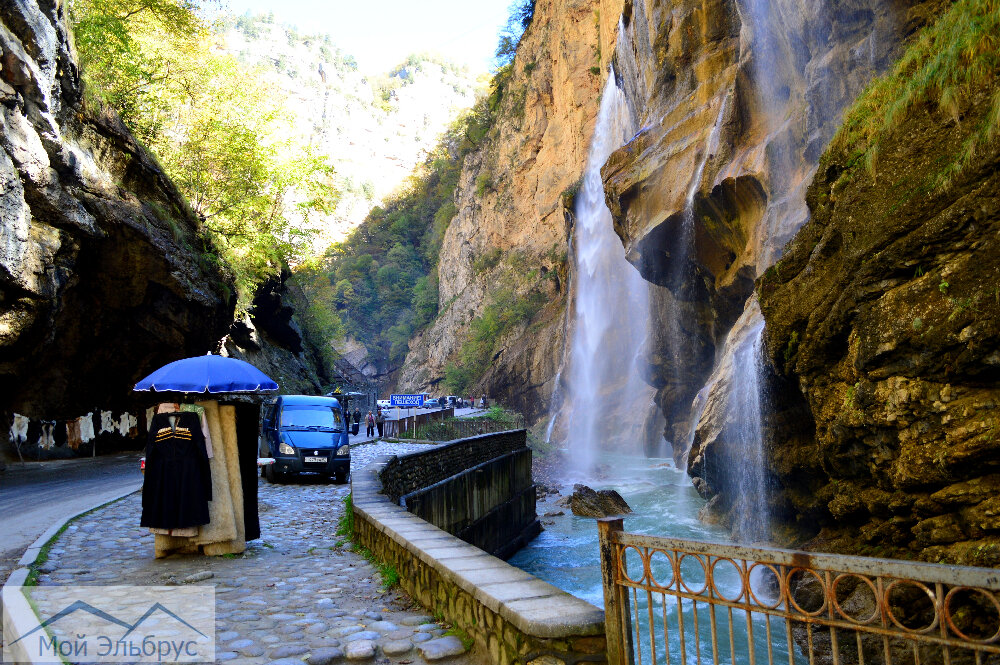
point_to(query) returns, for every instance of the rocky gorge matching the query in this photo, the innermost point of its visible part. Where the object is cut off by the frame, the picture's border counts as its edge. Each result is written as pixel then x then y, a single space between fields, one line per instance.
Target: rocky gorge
pixel 736 104
pixel 514 202
pixel 833 318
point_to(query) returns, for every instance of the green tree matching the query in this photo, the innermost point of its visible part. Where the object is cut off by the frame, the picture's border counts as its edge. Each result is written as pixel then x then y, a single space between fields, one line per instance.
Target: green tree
pixel 215 126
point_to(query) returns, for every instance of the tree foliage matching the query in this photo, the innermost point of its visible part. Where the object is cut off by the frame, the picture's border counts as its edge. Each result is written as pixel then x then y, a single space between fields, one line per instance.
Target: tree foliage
pixel 218 131
pixel 519 18
pixel 382 280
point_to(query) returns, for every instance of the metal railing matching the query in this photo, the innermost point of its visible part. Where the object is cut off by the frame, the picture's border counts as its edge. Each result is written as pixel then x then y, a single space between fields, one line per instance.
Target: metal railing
pixel 678 601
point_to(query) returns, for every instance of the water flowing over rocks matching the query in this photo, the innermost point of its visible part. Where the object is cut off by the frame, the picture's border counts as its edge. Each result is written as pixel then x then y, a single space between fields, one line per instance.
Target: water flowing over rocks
pixel 736 101
pixel 883 324
pixel 98 281
pixel 515 197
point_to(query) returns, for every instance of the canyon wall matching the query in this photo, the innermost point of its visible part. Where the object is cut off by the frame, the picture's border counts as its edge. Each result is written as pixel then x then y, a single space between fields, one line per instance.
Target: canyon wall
pixel 99 279
pixel 514 205
pixel 102 274
pixel 883 329
pixel 736 100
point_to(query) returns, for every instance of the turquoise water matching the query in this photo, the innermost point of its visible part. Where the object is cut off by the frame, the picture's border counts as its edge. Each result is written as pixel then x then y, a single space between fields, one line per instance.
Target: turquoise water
pixel 664 504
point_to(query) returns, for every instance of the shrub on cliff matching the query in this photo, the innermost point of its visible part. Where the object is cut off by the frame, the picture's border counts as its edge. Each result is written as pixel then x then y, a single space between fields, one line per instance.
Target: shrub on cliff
pixel 947 62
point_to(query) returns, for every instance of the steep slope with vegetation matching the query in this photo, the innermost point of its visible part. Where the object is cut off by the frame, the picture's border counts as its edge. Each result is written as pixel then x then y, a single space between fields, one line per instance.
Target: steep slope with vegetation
pixel 472 249
pixel 883 317
pixel 502 270
pixel 380 284
pixel 374 128
pixel 215 125
pixel 103 271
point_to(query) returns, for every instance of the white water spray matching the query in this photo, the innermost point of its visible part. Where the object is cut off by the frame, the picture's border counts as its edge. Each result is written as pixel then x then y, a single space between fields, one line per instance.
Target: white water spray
pixel 747 465
pixel 611 311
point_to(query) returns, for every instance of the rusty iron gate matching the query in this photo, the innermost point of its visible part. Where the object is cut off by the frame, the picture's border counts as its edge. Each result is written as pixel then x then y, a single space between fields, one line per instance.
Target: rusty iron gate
pixel 677 602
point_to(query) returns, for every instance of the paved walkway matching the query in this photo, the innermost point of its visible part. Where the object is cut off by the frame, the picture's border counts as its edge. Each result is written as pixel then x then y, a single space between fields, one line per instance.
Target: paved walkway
pixel 297 595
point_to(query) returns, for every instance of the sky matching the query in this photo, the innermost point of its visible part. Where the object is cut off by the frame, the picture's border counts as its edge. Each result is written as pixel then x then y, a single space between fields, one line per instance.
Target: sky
pixel 381 33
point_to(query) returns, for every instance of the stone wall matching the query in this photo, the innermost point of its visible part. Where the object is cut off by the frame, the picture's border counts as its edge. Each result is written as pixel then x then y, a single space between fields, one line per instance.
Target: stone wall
pixel 491 505
pixel 407 473
pixel 479 489
pixel 511 616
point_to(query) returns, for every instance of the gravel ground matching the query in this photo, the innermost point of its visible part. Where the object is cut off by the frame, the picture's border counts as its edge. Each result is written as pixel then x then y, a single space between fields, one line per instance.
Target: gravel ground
pixel 298 595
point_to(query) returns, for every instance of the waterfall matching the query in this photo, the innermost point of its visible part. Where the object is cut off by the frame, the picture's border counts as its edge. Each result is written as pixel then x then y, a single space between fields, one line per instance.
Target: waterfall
pixel 610 318
pixel 747 464
pixel 681 276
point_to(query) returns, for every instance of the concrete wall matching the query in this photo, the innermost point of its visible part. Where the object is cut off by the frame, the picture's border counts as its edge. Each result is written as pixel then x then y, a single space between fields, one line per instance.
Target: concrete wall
pixel 479 489
pixel 407 473
pixel 512 617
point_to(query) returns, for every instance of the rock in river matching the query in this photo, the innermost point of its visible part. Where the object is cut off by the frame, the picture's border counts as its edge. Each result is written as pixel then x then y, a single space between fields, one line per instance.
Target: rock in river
pixel 587 502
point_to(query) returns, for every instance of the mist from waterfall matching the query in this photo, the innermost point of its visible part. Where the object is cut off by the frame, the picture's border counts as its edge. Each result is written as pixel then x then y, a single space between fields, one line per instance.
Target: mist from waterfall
pixel 605 399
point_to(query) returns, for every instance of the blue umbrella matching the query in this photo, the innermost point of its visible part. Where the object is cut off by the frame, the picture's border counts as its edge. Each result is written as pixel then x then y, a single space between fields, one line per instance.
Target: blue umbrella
pixel 207 374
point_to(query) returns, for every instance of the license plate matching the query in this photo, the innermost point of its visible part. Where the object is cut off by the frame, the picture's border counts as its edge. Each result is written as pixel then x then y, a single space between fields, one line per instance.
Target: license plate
pixel 316 459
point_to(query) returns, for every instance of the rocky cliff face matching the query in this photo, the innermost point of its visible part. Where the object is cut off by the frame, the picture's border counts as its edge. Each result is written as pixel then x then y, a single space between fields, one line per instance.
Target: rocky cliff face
pixel 99 283
pixel 883 321
pixel 270 339
pixel 514 205
pixel 736 100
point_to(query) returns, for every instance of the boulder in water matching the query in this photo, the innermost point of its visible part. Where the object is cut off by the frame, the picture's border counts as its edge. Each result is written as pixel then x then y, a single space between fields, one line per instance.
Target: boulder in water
pixel 587 502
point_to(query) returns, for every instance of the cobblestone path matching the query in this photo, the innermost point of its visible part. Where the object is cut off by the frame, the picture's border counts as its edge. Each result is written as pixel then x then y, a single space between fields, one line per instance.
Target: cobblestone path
pixel 298 595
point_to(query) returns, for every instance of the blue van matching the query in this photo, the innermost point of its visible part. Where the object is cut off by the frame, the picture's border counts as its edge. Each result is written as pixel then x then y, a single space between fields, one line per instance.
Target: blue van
pixel 305 434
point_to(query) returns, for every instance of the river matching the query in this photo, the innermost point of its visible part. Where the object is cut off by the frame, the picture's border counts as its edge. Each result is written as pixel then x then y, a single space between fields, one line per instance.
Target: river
pixel 665 503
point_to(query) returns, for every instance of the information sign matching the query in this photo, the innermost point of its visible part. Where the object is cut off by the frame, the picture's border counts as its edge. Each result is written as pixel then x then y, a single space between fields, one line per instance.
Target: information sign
pixel 406 401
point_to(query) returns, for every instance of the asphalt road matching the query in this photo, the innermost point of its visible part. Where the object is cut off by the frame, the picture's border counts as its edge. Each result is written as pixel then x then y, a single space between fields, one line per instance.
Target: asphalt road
pixel 34 495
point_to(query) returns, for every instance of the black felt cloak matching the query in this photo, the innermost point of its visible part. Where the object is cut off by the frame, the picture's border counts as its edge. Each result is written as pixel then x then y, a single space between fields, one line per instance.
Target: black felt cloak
pixel 178 482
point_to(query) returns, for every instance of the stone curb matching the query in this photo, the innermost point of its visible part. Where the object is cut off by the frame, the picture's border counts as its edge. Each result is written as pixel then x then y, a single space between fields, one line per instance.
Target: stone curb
pixel 534 607
pixel 18 616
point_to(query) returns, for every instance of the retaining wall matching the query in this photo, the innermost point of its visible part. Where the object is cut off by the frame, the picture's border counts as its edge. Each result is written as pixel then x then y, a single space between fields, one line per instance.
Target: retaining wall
pixel 479 489
pixel 512 617
pixel 404 474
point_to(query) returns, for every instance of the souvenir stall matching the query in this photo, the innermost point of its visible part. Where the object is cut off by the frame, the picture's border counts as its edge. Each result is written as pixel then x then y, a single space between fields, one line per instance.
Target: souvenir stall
pixel 199 492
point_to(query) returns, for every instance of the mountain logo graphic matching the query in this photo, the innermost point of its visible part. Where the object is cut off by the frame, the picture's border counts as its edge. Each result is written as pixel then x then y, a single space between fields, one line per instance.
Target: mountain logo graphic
pixel 81 606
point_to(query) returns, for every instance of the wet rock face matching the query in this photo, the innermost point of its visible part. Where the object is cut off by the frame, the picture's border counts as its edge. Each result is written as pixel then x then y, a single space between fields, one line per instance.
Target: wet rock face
pixel 736 100
pixel 98 281
pixel 884 316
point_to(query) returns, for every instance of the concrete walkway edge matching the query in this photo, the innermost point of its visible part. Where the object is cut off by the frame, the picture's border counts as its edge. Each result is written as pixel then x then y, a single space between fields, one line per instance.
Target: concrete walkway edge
pixel 18 616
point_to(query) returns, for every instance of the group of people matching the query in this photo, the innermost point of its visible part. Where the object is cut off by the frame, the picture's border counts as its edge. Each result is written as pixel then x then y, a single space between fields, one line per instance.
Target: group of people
pixel 373 421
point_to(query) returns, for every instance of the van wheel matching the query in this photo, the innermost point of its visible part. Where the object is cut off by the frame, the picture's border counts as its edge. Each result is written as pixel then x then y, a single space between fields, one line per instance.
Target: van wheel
pixel 273 476
pixel 340 477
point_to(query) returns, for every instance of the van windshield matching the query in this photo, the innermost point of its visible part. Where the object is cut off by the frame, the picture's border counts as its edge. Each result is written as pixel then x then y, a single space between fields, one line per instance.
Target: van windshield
pixel 307 417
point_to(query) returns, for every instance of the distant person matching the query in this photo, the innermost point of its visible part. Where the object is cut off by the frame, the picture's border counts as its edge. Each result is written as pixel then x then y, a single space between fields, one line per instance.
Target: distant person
pixel 380 422
pixel 370 430
pixel 482 401
pixel 357 415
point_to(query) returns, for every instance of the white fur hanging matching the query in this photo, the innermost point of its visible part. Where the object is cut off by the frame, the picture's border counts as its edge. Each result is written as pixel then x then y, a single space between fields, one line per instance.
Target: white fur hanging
pixel 127 422
pixel 108 423
pixel 46 441
pixel 87 428
pixel 19 429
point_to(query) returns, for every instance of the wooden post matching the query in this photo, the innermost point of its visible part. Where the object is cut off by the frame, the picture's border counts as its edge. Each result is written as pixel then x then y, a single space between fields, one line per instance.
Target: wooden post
pixel 617 623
